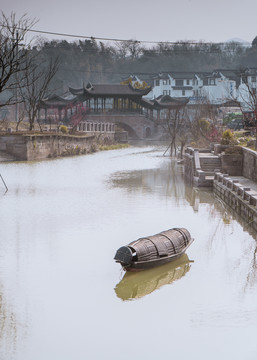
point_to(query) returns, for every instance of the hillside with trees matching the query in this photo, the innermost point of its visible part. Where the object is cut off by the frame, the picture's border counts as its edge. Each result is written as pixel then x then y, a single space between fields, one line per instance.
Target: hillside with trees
pixel 92 61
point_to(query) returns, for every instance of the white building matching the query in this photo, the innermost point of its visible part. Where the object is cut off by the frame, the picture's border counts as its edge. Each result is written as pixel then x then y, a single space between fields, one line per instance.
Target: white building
pixel 215 87
pixel 173 84
pixel 218 88
pixel 247 90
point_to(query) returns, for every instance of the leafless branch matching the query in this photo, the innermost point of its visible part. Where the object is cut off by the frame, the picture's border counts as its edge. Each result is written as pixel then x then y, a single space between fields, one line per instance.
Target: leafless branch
pixel 13 53
pixel 34 87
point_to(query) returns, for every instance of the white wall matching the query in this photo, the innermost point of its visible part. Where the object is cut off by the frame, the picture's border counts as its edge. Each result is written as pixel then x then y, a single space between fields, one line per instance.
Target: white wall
pixel 223 90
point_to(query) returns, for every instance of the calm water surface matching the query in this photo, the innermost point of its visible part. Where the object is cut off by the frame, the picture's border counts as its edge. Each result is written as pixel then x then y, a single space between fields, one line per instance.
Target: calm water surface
pixel 62 296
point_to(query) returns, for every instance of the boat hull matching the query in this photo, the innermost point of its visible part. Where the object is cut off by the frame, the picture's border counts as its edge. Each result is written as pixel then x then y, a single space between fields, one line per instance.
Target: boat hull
pixel 144 265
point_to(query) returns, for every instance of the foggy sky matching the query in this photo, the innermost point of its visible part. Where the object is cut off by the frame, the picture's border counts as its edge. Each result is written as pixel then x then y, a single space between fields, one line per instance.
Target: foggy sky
pixel 163 20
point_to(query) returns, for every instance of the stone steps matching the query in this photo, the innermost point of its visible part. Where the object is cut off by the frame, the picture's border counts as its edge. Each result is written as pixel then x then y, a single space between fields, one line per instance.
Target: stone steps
pixel 210 164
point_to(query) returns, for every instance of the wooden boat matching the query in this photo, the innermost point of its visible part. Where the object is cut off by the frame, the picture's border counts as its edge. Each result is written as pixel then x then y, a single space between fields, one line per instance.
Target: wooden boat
pixel 154 250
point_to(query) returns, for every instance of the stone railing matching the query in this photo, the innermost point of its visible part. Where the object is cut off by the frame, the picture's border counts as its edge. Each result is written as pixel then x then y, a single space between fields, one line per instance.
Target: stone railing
pixel 193 169
pixel 96 127
pixel 245 193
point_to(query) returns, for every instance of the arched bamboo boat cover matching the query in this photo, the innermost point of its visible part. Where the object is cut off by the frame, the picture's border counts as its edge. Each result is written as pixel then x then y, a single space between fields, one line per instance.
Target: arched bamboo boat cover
pixel 167 244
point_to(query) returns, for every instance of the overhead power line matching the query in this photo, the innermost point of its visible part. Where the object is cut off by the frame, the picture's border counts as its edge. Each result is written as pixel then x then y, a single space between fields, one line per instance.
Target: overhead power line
pixel 120 40
pixel 174 72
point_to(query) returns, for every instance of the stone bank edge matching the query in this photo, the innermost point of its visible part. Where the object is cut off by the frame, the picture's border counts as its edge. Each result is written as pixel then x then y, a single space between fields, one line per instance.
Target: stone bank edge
pixel 43 146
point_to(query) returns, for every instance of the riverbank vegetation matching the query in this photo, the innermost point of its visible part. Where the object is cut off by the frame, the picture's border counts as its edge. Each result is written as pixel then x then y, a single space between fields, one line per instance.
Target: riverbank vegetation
pixel 113 147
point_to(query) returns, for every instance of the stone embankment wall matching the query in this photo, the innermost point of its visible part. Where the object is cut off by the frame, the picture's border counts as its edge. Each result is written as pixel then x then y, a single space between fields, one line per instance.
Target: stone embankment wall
pixel 249 168
pixel 38 147
pixel 234 164
pixel 240 198
pixel 244 164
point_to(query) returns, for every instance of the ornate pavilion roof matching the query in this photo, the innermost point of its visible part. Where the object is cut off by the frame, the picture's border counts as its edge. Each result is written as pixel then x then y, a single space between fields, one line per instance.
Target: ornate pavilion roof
pixel 109 90
pixel 56 101
pixel 164 102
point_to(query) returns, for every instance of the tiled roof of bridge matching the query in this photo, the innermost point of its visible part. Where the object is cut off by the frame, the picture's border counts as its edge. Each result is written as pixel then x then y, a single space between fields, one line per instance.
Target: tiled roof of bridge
pixel 109 90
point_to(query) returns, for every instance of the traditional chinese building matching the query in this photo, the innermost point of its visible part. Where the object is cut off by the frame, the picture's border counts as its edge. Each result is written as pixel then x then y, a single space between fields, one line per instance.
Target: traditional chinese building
pixel 122 104
pixel 110 97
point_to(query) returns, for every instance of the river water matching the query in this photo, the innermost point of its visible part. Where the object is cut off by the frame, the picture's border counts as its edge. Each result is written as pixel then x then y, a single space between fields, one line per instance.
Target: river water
pixel 62 296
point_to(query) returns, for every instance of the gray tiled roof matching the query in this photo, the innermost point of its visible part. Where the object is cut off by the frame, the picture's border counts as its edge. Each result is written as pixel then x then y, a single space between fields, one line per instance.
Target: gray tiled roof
pixel 109 90
pixel 183 75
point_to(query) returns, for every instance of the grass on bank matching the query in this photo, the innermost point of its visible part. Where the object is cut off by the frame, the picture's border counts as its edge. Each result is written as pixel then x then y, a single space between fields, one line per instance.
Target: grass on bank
pixel 113 147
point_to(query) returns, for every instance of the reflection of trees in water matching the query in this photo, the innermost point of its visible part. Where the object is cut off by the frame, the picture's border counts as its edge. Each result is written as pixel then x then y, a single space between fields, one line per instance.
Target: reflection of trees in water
pixel 224 215
pixel 166 181
pixel 252 272
pixel 197 196
pixel 229 215
pixel 8 329
pixel 138 284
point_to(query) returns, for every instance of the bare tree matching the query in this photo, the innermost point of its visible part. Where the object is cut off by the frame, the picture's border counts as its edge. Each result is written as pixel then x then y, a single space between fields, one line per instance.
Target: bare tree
pixel 176 127
pixel 129 48
pixel 20 118
pixel 122 49
pixel 34 87
pixel 13 54
pixel 247 99
pixel 134 48
pixel 203 122
pixel 247 96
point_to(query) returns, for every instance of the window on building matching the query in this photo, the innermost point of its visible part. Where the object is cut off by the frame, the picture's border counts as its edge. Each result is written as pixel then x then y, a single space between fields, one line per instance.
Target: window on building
pixel 169 82
pixel 188 82
pixel 183 93
pixel 253 78
pixel 157 82
pixel 164 82
pixel 179 82
pixel 165 92
pixel 169 92
pixel 211 81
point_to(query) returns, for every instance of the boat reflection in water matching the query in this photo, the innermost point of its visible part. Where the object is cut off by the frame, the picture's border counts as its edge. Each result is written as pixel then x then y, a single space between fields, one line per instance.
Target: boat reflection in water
pixel 135 285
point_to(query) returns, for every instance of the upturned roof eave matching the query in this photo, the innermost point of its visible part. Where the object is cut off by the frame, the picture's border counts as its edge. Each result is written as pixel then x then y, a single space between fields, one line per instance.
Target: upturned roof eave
pixel 94 91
